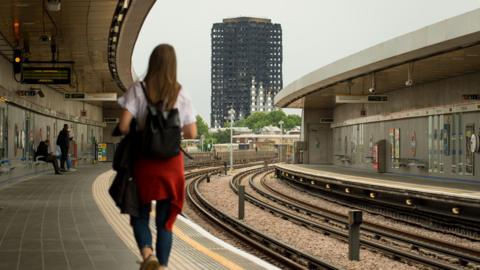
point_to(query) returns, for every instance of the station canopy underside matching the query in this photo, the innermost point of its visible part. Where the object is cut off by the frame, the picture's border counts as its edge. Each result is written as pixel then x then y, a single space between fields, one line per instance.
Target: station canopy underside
pixel 81 31
pixel 449 58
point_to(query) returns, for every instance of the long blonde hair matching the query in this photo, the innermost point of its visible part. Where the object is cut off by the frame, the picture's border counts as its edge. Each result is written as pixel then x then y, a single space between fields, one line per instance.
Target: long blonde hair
pixel 161 79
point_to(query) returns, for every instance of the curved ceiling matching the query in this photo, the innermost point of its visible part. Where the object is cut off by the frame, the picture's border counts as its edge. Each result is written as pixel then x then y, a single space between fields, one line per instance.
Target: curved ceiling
pixel 445 49
pixel 81 30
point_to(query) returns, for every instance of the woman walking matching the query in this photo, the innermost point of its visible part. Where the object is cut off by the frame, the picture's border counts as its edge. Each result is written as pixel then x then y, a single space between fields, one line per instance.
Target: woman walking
pixel 159 180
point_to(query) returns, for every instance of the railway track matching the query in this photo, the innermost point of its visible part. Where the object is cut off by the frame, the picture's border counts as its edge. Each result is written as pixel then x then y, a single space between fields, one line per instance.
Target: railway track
pixel 446 255
pixel 420 210
pixel 285 254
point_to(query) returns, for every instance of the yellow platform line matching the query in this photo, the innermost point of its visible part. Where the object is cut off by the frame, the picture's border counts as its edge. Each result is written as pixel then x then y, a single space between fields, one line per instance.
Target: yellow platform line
pixel 196 245
pixel 121 227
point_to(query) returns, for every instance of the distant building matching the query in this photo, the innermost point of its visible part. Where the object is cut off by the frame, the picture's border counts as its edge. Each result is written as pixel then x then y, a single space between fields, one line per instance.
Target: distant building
pixel 244 48
pixel 236 130
pixel 261 100
pixel 270 130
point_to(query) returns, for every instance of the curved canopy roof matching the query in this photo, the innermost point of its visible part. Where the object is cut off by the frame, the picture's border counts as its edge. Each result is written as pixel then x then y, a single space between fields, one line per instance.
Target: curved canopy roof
pixel 445 49
pixel 98 36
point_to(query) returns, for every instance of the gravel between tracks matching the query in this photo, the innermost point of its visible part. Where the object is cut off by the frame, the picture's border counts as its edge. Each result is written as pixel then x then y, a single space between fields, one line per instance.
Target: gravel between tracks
pixel 218 192
pixel 377 219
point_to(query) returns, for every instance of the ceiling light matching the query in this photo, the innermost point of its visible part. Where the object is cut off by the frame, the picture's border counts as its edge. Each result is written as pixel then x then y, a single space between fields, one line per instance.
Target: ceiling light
pixel 120 17
pixel 54 5
pixel 409 81
pixel 371 90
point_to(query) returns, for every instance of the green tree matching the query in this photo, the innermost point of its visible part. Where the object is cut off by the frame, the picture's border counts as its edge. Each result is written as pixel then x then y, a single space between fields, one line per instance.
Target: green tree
pixel 258 120
pixel 221 136
pixel 275 117
pixel 292 121
pixel 202 127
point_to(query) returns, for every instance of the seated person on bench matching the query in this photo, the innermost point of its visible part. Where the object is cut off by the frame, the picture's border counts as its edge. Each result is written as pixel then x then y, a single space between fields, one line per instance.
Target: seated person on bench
pixel 43 154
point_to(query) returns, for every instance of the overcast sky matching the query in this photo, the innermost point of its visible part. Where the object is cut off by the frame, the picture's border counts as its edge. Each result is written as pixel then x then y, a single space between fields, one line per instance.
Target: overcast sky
pixel 315 32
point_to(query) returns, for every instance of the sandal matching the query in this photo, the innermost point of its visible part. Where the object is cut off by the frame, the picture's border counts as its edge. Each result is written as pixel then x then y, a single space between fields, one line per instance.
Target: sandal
pixel 150 263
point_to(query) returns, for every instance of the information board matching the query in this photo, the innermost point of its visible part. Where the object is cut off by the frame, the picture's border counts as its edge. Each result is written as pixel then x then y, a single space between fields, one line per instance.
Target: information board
pixel 46 75
pixel 91 96
pixel 361 98
pixel 102 152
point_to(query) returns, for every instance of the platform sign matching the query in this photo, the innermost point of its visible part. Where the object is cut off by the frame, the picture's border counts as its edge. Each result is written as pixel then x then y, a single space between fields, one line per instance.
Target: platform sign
pixel 471 97
pixel 111 120
pixel 81 96
pixel 27 93
pixel 361 98
pixel 74 95
pixel 102 152
pixel 46 75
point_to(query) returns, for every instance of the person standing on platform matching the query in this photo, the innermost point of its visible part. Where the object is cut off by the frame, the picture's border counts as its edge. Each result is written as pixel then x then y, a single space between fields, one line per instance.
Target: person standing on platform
pixel 69 156
pixel 160 180
pixel 63 140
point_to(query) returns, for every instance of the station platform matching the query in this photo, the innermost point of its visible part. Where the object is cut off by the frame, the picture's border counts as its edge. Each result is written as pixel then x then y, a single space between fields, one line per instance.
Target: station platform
pixel 407 183
pixel 69 222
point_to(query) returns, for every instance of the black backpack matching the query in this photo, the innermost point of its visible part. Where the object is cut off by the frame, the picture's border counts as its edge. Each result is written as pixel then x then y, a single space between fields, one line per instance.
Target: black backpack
pixel 161 136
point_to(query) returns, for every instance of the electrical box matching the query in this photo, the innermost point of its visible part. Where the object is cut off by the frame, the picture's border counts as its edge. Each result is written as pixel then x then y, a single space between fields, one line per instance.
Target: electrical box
pixel 299 147
pixel 379 156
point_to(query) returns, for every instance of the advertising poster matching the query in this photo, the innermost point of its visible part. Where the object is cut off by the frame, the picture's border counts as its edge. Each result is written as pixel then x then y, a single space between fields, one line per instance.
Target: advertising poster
pixel 102 152
pixel 397 148
pixel 440 148
pixel 430 144
pixel 460 144
pixel 413 144
pixel 469 162
pixel 453 144
pixel 391 136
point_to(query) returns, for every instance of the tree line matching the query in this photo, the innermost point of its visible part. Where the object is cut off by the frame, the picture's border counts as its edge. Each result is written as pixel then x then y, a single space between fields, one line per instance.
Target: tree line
pixel 255 121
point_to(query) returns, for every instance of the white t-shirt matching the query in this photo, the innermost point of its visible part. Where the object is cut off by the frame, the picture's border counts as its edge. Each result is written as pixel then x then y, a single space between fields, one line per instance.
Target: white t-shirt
pixel 135 102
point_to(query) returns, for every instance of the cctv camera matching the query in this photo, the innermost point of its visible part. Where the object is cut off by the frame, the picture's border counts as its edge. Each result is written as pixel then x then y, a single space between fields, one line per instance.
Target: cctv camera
pixel 409 83
pixel 371 90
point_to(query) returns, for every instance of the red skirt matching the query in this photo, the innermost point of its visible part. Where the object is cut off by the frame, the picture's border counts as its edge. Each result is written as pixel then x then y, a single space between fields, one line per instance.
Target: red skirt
pixel 161 180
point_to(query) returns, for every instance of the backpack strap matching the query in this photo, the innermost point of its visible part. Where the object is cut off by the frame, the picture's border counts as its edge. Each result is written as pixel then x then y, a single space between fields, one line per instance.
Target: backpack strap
pixel 145 92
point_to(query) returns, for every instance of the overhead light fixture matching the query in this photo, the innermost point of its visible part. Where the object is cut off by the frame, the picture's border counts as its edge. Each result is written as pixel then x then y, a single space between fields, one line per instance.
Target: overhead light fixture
pixel 371 90
pixel 120 17
pixel 409 81
pixel 54 5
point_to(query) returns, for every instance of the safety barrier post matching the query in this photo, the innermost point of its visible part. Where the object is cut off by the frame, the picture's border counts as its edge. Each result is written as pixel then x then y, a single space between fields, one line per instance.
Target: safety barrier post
pixel 241 202
pixel 208 178
pixel 354 222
